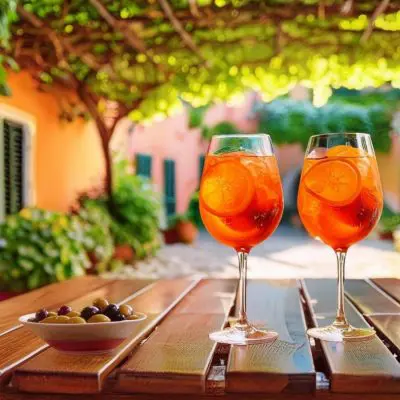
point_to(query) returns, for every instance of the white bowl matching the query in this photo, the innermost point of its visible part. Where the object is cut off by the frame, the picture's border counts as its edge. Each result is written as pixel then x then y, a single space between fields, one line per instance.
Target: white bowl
pixel 96 337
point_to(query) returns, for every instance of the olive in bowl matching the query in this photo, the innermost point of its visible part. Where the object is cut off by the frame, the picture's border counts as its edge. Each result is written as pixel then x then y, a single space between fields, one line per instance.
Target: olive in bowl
pixel 90 331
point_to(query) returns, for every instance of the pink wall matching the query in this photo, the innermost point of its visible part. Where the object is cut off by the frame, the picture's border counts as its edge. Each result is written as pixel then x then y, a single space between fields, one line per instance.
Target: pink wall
pixel 172 139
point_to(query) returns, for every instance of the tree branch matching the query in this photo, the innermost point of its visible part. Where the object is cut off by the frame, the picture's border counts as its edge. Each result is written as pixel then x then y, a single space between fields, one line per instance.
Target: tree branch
pixel 384 4
pixel 194 10
pixel 131 38
pixel 60 43
pixel 38 23
pixel 186 38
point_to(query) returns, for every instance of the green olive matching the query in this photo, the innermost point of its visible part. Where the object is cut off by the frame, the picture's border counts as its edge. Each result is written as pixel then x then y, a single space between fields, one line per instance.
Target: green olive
pixel 52 314
pixel 126 310
pixel 99 318
pixel 73 314
pixel 49 320
pixel 101 303
pixel 62 319
pixel 76 320
pixel 133 317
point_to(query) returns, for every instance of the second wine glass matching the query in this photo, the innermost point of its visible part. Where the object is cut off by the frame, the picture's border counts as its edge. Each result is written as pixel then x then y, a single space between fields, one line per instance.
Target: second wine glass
pixel 241 204
pixel 340 202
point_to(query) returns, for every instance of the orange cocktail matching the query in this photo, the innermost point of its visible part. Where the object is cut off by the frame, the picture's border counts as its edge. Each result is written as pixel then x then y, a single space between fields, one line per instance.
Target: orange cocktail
pixel 241 199
pixel 241 204
pixel 340 198
pixel 340 202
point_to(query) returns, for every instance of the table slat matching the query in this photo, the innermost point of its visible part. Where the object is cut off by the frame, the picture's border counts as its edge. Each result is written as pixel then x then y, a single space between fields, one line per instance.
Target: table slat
pixel 388 326
pixel 29 344
pixel 286 364
pixel 355 367
pixel 15 348
pixel 370 299
pixel 52 296
pixel 65 373
pixel 177 356
pixel 390 286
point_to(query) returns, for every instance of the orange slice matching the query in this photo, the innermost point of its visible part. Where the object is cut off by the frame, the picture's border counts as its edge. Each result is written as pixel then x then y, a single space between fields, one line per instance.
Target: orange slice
pixel 337 182
pixel 227 189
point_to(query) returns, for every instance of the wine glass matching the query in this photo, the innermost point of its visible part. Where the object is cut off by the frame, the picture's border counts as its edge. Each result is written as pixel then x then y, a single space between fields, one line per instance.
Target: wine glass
pixel 340 202
pixel 241 204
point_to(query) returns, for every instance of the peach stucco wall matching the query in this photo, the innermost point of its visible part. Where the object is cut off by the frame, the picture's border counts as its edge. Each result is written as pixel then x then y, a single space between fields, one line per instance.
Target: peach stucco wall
pixel 172 139
pixel 66 157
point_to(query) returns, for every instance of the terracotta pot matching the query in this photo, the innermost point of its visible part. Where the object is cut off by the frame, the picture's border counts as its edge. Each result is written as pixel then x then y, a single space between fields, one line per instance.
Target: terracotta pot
pixel 386 236
pixel 171 236
pixel 124 252
pixel 187 231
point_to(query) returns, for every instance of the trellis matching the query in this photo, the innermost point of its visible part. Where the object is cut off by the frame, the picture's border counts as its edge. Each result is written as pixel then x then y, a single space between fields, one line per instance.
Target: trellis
pixel 145 55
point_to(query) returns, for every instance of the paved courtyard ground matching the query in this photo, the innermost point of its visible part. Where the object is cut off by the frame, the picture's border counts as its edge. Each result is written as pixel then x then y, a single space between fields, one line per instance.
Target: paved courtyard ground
pixel 289 253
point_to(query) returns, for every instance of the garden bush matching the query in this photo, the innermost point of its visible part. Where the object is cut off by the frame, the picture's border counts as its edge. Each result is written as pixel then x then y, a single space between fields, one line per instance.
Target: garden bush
pixel 38 247
pixel 135 215
pixel 291 121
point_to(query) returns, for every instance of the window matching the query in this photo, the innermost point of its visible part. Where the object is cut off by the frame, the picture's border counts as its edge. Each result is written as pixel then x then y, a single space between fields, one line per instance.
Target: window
pixel 143 165
pixel 169 187
pixel 13 167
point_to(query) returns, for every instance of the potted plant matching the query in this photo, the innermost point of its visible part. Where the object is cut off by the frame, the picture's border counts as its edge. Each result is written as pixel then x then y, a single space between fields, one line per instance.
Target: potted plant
pixel 387 226
pixel 134 218
pixel 182 226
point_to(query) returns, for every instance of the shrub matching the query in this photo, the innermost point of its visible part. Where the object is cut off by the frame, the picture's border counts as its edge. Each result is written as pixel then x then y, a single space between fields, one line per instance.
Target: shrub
pixel 388 224
pixel 222 128
pixel 290 121
pixel 97 239
pixel 193 211
pixel 39 247
pixel 135 215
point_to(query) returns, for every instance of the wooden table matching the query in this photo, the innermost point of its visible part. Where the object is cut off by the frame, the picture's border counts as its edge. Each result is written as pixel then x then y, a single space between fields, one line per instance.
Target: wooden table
pixel 170 356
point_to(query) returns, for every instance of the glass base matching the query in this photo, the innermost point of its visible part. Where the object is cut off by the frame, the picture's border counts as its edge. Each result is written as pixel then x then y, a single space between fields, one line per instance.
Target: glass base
pixel 333 334
pixel 243 337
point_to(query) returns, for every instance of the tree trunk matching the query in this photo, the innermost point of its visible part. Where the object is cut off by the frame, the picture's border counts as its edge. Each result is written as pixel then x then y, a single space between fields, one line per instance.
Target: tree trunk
pixel 108 179
pixel 105 133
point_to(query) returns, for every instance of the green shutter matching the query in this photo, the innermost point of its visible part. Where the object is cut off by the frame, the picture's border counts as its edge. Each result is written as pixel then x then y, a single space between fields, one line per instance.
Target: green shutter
pixel 169 187
pixel 201 166
pixel 13 167
pixel 143 165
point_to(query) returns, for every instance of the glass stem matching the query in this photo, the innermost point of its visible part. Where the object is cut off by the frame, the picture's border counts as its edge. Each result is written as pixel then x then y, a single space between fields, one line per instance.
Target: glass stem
pixel 242 322
pixel 340 320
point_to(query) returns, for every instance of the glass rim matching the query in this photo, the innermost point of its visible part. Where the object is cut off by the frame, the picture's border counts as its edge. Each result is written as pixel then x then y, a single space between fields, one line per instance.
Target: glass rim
pixel 354 134
pixel 241 135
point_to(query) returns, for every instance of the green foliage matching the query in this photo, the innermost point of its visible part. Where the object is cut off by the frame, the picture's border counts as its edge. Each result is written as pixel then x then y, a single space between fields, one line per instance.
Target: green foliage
pixel 173 220
pixel 39 247
pixel 193 211
pixel 389 223
pixel 236 49
pixel 136 211
pixel 221 128
pixel 97 238
pixel 196 116
pixel 7 15
pixel 290 121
